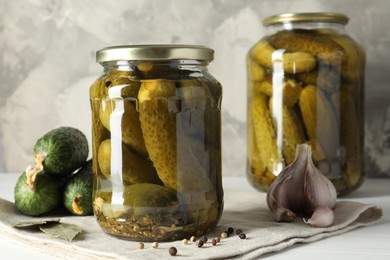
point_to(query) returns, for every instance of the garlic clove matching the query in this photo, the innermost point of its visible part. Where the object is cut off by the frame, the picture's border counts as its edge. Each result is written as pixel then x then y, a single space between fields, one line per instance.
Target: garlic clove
pixel 277 201
pixel 319 190
pixel 322 217
pixel 285 195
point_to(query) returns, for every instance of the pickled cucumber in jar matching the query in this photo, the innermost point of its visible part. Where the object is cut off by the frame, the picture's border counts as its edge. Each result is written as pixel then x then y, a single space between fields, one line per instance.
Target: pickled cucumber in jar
pixel 306 85
pixel 156 142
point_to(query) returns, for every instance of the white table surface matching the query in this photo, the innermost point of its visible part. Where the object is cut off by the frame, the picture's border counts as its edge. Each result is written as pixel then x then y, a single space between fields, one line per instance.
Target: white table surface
pixel 372 242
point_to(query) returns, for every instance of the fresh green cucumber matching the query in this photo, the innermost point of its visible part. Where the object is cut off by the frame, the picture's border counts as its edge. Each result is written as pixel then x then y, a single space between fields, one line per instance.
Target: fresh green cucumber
pixel 61 151
pixel 39 196
pixel 78 191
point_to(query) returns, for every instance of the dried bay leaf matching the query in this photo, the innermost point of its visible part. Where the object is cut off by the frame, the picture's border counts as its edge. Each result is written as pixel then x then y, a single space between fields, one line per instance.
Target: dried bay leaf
pixel 35 223
pixel 52 228
pixel 61 230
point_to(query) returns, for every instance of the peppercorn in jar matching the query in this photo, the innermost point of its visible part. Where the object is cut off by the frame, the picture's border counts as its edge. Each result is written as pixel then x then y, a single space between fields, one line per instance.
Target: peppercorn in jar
pixel 306 85
pixel 156 122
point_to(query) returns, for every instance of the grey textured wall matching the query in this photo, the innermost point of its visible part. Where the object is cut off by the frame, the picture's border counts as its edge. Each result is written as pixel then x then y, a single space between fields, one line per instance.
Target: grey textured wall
pixel 47 49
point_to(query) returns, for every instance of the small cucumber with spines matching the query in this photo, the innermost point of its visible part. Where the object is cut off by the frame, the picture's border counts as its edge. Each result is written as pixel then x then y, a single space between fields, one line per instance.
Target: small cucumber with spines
pixel 78 191
pixel 61 151
pixel 38 197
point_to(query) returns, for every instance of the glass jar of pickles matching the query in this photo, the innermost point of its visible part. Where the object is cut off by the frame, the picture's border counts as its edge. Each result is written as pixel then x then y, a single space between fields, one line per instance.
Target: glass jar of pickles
pixel 156 123
pixel 306 85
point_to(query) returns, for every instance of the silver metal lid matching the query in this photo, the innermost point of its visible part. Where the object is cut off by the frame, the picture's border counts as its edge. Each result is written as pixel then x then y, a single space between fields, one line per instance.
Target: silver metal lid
pixel 157 52
pixel 306 17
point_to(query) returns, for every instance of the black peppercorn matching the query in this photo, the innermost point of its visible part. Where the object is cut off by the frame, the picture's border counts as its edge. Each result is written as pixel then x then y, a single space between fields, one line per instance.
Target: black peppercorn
pixel 172 251
pixel 200 243
pixel 214 242
pixel 204 239
pixel 242 236
pixel 230 230
pixel 238 231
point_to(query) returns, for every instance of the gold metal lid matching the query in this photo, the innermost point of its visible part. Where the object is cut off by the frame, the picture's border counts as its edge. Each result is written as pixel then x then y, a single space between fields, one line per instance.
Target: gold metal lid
pixel 306 17
pixel 157 52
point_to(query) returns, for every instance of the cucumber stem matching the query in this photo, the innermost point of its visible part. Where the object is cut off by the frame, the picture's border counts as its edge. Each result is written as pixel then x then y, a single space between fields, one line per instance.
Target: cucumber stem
pixel 31 173
pixel 75 205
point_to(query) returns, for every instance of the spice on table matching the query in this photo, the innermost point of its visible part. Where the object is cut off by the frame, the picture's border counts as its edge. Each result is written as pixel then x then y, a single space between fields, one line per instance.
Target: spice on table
pixel 230 230
pixel 172 251
pixel 155 245
pixel 141 245
pixel 200 243
pixel 214 242
pixel 238 231
pixel 185 241
pixel 224 235
pixel 204 239
pixel 193 239
pixel 218 239
pixel 242 235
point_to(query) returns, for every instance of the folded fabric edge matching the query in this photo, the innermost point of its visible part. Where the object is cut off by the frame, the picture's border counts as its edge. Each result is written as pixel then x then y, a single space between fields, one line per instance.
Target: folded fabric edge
pixel 370 216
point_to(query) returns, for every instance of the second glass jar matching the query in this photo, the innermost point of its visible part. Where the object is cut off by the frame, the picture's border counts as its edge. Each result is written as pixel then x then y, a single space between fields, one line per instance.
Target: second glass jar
pixel 306 85
pixel 156 125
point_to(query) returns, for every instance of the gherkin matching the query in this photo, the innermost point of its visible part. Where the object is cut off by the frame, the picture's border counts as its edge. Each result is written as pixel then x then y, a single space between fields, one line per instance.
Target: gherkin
pixel 38 197
pixel 61 151
pixel 78 191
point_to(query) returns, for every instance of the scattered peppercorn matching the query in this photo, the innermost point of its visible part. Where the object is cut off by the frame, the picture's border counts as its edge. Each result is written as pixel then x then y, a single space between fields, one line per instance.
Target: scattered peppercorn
pixel 242 236
pixel 172 251
pixel 214 242
pixel 204 239
pixel 141 245
pixel 193 239
pixel 230 230
pixel 155 245
pixel 185 241
pixel 238 231
pixel 224 235
pixel 200 243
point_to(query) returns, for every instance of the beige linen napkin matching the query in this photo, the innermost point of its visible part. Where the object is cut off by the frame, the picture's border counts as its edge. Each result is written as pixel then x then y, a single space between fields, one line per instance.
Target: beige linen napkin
pixel 244 210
